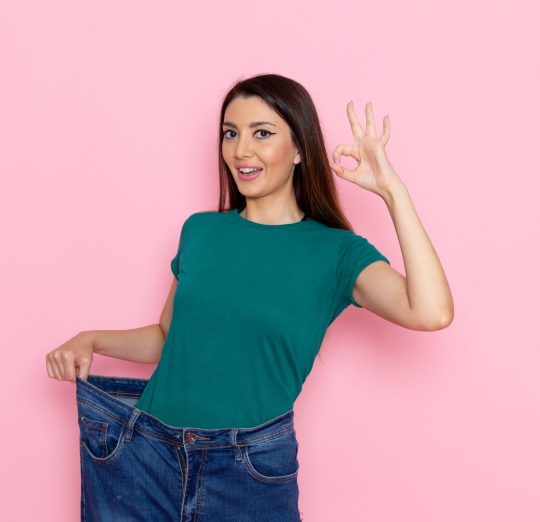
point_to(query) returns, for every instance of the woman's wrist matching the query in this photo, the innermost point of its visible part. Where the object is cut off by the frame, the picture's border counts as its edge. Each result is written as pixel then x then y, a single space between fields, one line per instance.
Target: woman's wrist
pixel 88 337
pixel 394 192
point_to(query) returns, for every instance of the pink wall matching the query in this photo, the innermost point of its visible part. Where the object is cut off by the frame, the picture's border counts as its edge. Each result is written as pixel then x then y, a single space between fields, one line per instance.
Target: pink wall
pixel 108 121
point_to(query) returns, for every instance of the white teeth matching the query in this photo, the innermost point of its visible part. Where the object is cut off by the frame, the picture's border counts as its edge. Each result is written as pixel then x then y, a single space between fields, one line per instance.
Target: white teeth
pixel 249 171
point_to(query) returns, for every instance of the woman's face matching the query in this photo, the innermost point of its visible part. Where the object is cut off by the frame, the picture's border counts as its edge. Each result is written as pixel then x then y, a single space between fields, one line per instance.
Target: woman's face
pixel 249 143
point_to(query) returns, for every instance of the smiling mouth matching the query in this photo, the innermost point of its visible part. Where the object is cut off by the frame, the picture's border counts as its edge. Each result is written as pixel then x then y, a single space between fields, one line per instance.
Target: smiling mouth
pixel 253 170
pixel 249 175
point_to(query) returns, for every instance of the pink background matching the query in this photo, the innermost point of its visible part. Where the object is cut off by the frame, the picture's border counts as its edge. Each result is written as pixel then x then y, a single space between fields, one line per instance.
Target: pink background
pixel 108 141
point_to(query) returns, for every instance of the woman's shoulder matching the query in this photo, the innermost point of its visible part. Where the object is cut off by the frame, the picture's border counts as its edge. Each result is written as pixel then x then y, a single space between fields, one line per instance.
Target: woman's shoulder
pixel 205 215
pixel 203 218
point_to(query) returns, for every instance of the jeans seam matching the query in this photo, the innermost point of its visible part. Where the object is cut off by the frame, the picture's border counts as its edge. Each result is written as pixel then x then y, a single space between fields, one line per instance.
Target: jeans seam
pixel 200 487
pixel 253 440
pixel 83 514
pixel 268 436
pixel 265 478
pixel 102 410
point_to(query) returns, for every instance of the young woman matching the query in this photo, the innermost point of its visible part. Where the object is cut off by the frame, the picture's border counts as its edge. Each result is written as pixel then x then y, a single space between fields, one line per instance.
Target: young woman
pixel 210 436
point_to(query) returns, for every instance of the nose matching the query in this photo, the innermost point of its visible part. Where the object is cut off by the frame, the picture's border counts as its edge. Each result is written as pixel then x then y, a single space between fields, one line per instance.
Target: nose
pixel 243 147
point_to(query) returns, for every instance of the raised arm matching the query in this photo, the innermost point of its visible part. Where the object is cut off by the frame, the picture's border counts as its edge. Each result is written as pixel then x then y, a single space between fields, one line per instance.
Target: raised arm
pixel 421 300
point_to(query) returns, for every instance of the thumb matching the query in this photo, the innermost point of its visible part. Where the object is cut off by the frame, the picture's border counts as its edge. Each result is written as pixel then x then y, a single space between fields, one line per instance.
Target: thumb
pixel 342 172
pixel 84 370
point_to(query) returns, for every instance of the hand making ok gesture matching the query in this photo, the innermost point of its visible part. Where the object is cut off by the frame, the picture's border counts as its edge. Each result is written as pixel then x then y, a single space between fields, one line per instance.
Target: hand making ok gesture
pixel 374 171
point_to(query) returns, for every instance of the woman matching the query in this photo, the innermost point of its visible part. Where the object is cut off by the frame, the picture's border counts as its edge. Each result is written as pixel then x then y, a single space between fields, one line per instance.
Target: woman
pixel 210 436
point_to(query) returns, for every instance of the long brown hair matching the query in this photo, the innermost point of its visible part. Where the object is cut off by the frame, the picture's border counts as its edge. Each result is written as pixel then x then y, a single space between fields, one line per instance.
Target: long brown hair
pixel 313 179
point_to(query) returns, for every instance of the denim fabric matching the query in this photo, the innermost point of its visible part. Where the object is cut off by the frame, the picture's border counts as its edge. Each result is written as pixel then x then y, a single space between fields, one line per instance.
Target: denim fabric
pixel 136 468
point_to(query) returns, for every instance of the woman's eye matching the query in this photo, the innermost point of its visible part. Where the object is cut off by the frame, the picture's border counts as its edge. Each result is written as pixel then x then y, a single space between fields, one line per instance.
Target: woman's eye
pixel 268 133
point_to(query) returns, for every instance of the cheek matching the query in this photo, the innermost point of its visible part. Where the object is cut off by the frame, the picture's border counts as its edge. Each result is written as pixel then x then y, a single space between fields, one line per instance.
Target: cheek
pixel 276 154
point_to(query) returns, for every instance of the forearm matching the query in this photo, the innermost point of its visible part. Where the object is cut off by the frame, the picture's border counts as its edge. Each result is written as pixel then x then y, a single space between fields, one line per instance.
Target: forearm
pixel 427 288
pixel 143 345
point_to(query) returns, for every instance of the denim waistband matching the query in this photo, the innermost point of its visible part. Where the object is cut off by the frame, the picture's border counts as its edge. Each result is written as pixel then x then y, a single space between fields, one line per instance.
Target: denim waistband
pixel 106 394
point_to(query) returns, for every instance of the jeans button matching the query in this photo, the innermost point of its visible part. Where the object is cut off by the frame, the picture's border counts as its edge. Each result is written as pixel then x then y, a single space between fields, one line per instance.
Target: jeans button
pixel 191 437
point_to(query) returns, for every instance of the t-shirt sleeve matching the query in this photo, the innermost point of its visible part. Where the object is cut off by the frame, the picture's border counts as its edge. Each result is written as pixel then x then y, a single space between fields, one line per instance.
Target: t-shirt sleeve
pixel 176 262
pixel 355 254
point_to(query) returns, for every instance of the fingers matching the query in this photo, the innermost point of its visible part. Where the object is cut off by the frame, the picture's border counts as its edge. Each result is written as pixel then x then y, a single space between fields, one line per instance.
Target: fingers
pixel 386 130
pixel 342 172
pixel 52 370
pixel 58 364
pixel 345 150
pixel 72 358
pixel 370 120
pixel 357 129
pixel 69 366
pixel 84 368
pixel 61 365
pixel 356 126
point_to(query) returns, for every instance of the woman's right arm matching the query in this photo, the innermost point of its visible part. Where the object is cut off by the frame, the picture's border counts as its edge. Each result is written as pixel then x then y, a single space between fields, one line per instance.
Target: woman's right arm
pixel 142 345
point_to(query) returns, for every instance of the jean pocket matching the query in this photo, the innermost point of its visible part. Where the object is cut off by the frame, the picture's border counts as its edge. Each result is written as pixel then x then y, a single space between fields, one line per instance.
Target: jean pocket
pixel 101 436
pixel 273 460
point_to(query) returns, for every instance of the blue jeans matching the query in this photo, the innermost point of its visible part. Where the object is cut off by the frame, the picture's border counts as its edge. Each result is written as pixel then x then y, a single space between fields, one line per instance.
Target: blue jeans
pixel 136 468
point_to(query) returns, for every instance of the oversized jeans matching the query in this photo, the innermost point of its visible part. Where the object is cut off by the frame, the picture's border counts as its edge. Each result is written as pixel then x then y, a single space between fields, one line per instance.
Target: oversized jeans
pixel 136 468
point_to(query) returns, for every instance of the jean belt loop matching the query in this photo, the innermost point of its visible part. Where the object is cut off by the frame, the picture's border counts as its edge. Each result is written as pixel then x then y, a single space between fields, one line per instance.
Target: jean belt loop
pixel 234 443
pixel 135 414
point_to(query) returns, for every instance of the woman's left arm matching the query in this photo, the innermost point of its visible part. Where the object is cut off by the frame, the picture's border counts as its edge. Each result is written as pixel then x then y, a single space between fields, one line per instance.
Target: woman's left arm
pixel 422 300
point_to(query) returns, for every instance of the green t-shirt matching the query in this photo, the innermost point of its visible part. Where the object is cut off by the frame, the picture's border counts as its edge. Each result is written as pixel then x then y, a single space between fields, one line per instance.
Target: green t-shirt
pixel 250 312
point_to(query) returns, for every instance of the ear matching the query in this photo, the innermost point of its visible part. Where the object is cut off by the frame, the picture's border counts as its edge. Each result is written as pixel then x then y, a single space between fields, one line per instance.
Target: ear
pixel 297 159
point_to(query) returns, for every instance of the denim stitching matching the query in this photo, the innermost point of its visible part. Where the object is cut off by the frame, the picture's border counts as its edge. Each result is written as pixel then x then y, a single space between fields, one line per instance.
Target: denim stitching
pixel 102 410
pixel 183 473
pixel 185 487
pixel 200 488
pixel 265 478
pixel 104 440
pixel 248 441
pixel 83 507
pixel 120 445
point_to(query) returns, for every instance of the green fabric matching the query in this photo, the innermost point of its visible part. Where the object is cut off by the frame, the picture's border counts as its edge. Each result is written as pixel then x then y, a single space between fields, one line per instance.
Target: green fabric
pixel 250 312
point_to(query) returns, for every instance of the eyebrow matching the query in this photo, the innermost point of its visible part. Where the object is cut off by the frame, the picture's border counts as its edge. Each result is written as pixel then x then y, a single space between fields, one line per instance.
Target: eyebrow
pixel 251 125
